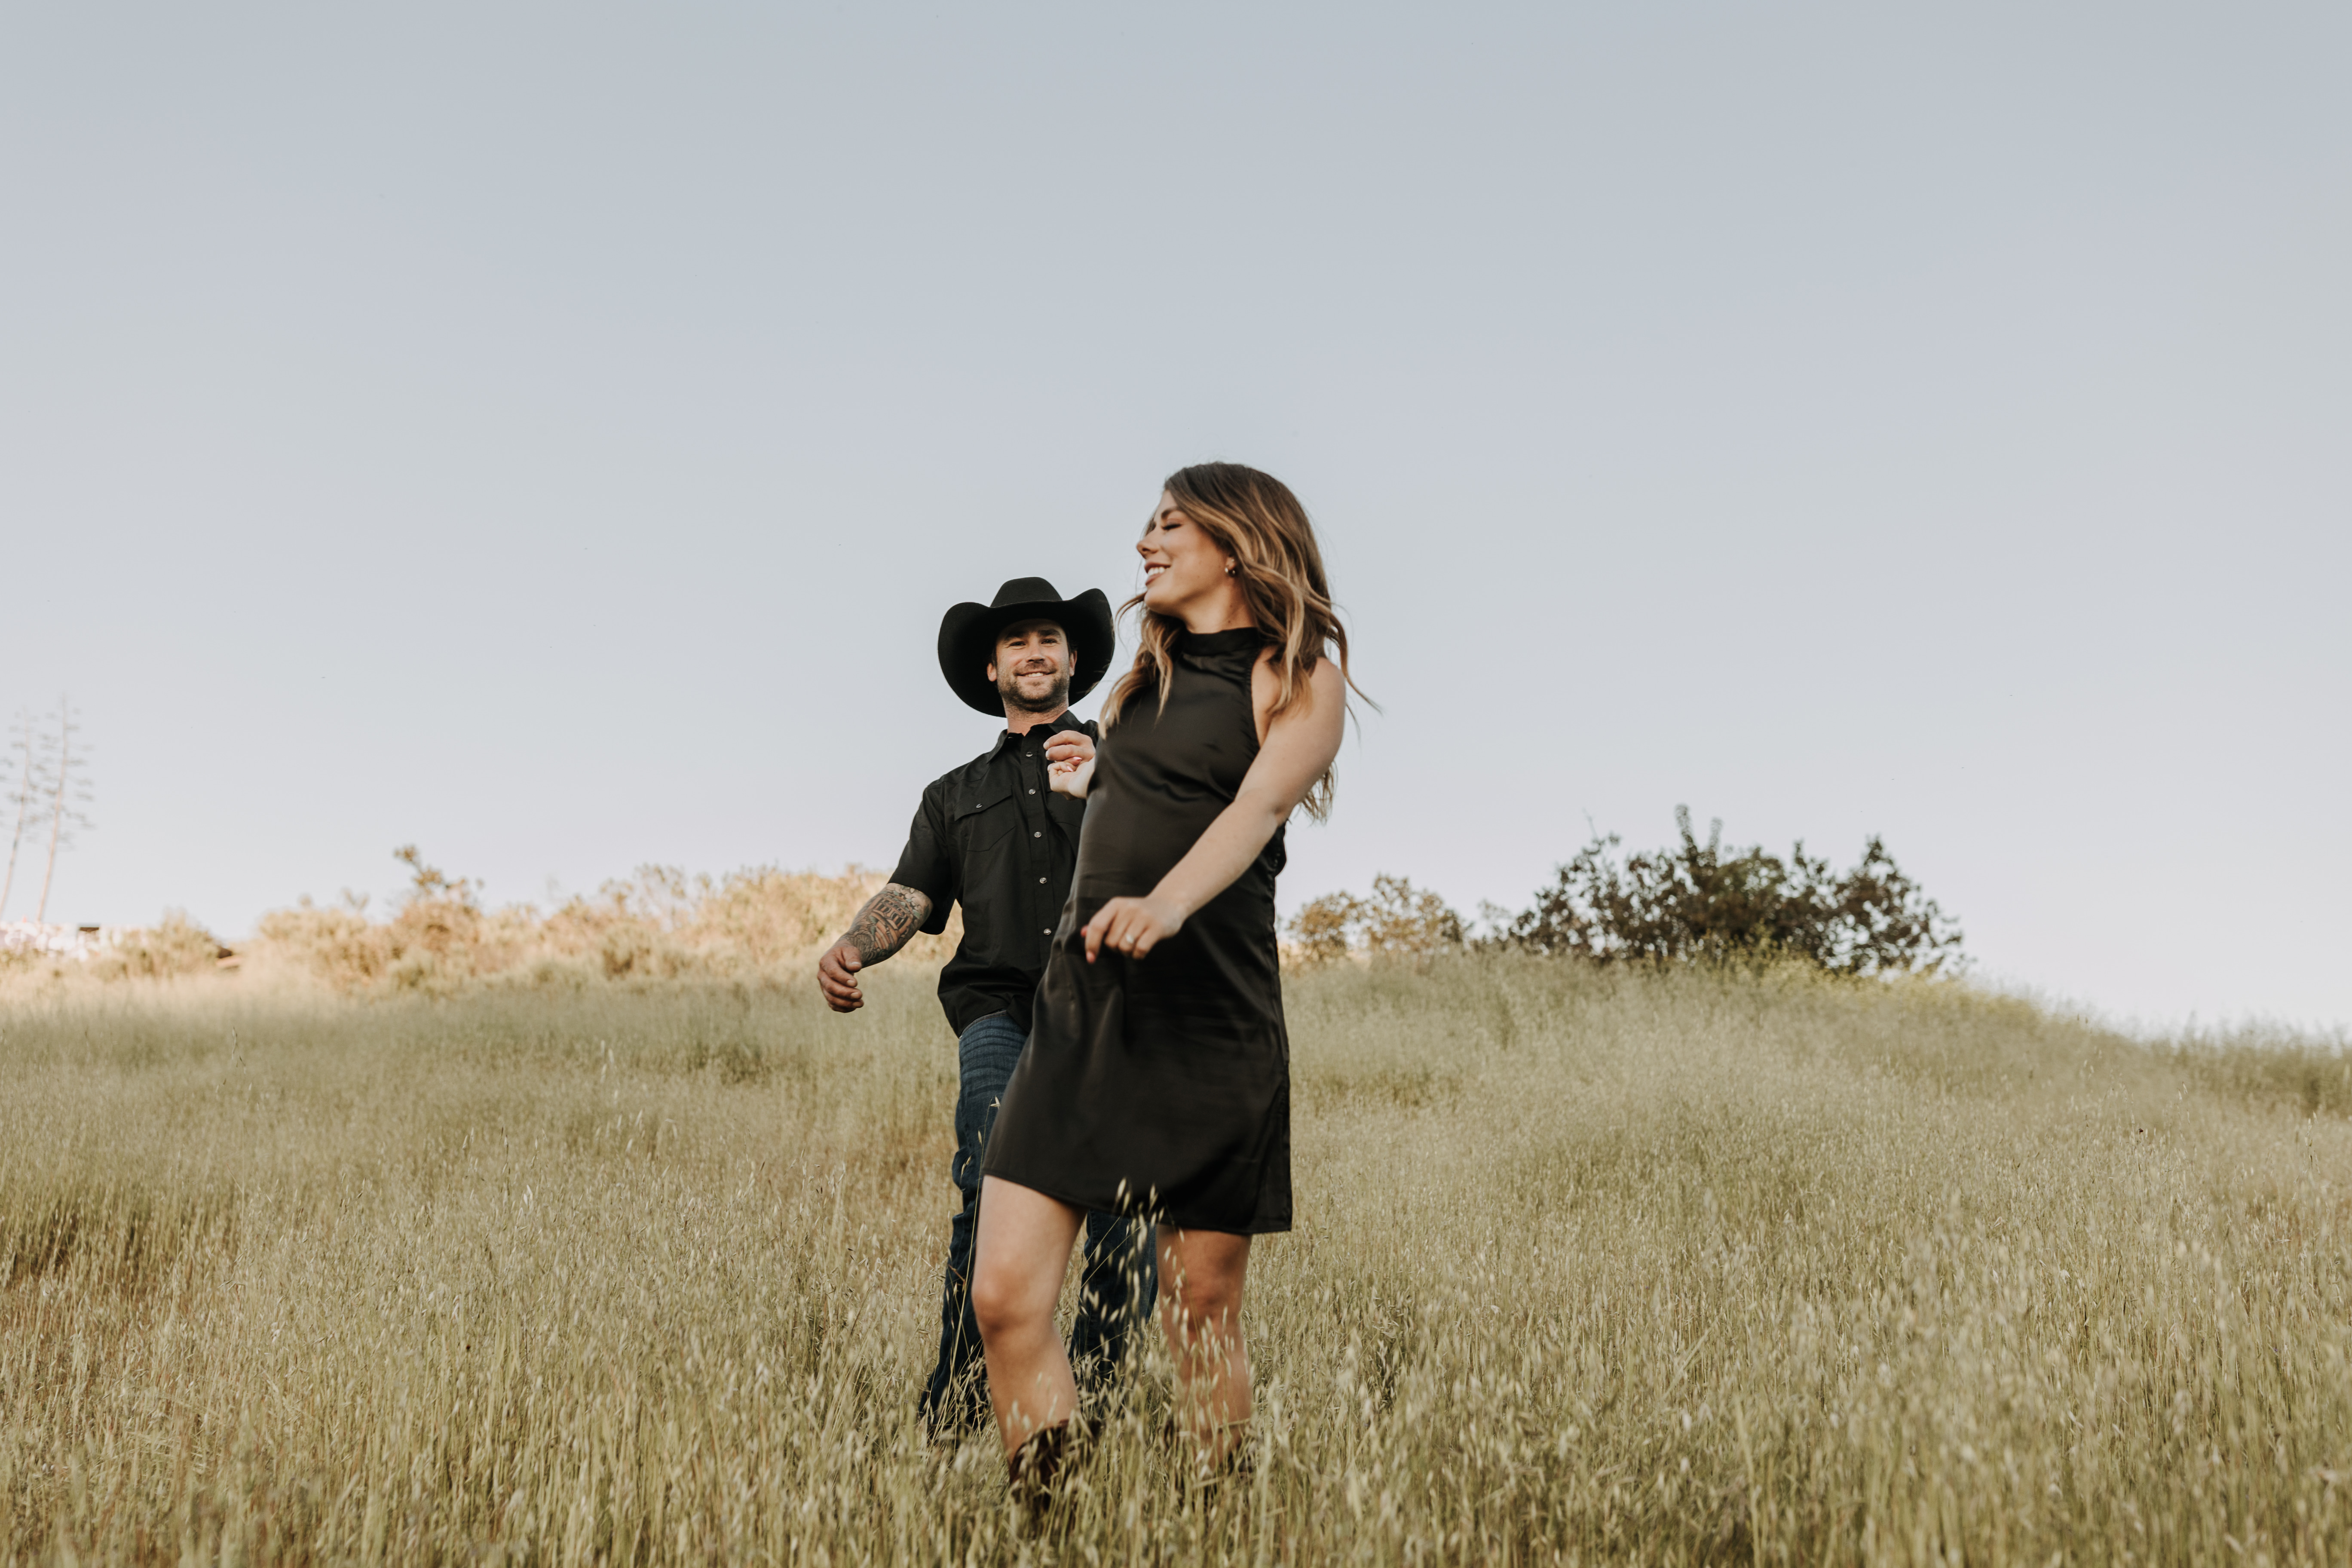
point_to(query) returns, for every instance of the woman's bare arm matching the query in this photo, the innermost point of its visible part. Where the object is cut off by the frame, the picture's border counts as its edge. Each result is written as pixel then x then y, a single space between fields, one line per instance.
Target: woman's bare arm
pixel 1297 747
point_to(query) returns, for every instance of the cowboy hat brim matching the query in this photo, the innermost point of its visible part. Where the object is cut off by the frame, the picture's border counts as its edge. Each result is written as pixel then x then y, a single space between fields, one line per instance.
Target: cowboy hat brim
pixel 968 635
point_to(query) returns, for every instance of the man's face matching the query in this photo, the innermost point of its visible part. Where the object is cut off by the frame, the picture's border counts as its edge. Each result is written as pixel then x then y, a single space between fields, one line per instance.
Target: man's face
pixel 1031 667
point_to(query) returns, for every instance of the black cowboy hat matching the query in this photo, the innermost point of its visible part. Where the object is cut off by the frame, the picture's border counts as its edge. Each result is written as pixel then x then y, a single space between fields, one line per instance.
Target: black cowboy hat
pixel 968 635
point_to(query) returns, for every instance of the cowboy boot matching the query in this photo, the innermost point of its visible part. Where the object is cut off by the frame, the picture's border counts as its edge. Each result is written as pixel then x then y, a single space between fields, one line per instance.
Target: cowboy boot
pixel 1035 1466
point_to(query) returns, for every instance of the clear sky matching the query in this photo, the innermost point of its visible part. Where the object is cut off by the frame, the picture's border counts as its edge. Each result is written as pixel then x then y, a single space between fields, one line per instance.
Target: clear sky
pixel 551 433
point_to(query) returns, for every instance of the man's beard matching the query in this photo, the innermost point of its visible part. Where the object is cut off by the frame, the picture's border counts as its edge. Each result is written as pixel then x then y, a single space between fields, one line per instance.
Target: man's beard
pixel 1055 699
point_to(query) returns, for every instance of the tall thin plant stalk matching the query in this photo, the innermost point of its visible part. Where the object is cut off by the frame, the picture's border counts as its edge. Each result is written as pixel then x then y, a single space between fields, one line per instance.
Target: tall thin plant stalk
pixel 23 797
pixel 60 815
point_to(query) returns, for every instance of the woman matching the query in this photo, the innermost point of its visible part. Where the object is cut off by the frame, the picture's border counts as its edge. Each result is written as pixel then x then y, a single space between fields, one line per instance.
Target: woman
pixel 1157 1076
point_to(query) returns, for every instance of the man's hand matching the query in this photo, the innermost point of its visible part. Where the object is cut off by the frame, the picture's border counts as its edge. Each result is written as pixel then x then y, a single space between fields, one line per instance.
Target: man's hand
pixel 837 976
pixel 881 929
pixel 1070 746
pixel 1070 762
pixel 1132 926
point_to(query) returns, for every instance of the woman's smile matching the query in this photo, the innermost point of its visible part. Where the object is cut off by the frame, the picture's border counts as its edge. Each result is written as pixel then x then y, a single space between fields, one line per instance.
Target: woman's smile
pixel 1184 569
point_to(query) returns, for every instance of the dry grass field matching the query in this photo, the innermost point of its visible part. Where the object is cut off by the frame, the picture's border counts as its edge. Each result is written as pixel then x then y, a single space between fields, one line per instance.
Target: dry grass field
pixel 1590 1266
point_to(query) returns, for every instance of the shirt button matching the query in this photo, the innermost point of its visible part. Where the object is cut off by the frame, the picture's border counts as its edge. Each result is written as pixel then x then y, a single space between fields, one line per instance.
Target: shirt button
pixel 1033 791
pixel 1040 833
pixel 1041 881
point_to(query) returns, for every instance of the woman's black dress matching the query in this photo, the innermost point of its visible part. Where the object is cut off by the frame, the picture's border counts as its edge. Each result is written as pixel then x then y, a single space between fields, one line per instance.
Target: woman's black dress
pixel 1162 1085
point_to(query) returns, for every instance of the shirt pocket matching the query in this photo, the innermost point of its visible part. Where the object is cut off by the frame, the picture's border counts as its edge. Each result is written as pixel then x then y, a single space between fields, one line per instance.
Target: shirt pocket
pixel 980 823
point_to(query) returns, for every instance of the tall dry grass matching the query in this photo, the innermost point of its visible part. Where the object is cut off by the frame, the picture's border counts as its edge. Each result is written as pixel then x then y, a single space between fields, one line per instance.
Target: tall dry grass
pixel 1588 1266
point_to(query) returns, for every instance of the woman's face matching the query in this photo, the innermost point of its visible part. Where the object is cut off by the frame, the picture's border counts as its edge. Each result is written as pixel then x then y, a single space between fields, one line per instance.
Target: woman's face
pixel 1183 568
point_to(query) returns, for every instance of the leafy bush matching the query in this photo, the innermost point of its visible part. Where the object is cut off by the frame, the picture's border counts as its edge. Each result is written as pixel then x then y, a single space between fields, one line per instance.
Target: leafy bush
pixel 1320 932
pixel 1398 921
pixel 1702 902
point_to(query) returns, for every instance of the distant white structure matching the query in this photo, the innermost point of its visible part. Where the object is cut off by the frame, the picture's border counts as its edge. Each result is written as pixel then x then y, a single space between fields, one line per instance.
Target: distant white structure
pixel 80 943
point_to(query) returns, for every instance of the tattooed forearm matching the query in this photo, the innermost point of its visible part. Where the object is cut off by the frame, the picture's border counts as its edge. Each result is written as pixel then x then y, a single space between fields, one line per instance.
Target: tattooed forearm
pixel 889 919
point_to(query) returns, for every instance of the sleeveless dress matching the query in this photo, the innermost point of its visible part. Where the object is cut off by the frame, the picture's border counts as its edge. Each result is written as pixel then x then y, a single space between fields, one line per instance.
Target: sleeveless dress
pixel 1161 1086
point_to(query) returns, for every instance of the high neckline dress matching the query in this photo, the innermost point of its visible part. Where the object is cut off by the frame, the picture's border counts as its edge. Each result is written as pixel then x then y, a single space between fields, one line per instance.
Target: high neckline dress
pixel 1161 1086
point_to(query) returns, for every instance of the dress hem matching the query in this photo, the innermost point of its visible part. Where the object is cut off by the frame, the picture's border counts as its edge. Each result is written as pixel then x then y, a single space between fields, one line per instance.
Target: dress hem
pixel 1087 1206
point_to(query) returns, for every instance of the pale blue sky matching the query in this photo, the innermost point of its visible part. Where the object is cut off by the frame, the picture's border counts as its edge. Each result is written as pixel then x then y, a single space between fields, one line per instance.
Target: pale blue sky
pixel 551 433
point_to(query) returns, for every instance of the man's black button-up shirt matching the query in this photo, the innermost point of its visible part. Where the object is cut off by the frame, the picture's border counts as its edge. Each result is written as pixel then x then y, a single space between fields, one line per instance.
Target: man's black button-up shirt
pixel 992 836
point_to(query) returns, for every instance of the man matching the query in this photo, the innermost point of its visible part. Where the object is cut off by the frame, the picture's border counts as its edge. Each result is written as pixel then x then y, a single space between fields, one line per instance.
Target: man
pixel 993 836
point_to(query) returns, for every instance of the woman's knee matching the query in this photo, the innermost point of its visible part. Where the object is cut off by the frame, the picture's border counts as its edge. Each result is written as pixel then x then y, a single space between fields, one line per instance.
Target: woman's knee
pixel 1004 1302
pixel 994 1301
pixel 1206 1306
pixel 1023 1246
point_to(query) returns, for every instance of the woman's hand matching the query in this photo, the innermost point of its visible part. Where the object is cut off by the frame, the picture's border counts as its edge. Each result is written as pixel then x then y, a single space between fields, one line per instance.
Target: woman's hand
pixel 1132 926
pixel 1070 762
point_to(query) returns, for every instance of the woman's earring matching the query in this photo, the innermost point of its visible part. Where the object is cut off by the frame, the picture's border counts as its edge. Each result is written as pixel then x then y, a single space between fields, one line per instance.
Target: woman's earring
pixel 1232 569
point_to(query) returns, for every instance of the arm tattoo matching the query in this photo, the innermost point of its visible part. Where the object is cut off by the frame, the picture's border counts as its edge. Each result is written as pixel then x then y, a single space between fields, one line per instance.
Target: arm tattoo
pixel 889 919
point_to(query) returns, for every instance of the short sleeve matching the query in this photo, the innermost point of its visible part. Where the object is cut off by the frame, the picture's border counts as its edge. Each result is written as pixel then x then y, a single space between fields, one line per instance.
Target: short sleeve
pixel 924 864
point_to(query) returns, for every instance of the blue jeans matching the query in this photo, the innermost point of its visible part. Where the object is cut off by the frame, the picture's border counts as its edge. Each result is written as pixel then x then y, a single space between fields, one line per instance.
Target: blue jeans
pixel 1116 1285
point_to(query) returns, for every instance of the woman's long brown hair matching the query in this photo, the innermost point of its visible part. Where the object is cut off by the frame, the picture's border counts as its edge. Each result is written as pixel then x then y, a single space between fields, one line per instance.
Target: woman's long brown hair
pixel 1254 518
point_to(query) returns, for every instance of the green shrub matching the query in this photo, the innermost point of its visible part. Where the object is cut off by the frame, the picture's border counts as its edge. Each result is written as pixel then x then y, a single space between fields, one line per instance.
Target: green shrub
pixel 1702 902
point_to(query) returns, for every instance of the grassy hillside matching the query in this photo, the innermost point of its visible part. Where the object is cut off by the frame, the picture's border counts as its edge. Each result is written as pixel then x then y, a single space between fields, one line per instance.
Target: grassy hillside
pixel 1589 1265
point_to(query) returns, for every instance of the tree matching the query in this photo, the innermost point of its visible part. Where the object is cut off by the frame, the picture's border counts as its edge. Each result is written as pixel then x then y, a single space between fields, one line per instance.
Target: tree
pixel 68 788
pixel 27 797
pixel 1701 902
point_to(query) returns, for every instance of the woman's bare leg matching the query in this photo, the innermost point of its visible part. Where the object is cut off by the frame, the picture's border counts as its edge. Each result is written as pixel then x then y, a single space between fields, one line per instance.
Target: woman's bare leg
pixel 1022 1249
pixel 1201 1277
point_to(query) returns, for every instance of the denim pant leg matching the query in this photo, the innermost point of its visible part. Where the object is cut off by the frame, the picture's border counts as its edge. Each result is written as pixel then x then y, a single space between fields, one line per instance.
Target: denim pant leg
pixel 956 1398
pixel 1117 1285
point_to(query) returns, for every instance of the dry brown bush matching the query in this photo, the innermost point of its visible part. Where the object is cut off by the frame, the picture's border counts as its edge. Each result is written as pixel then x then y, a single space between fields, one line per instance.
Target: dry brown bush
pixel 1399 921
pixel 173 948
pixel 658 924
